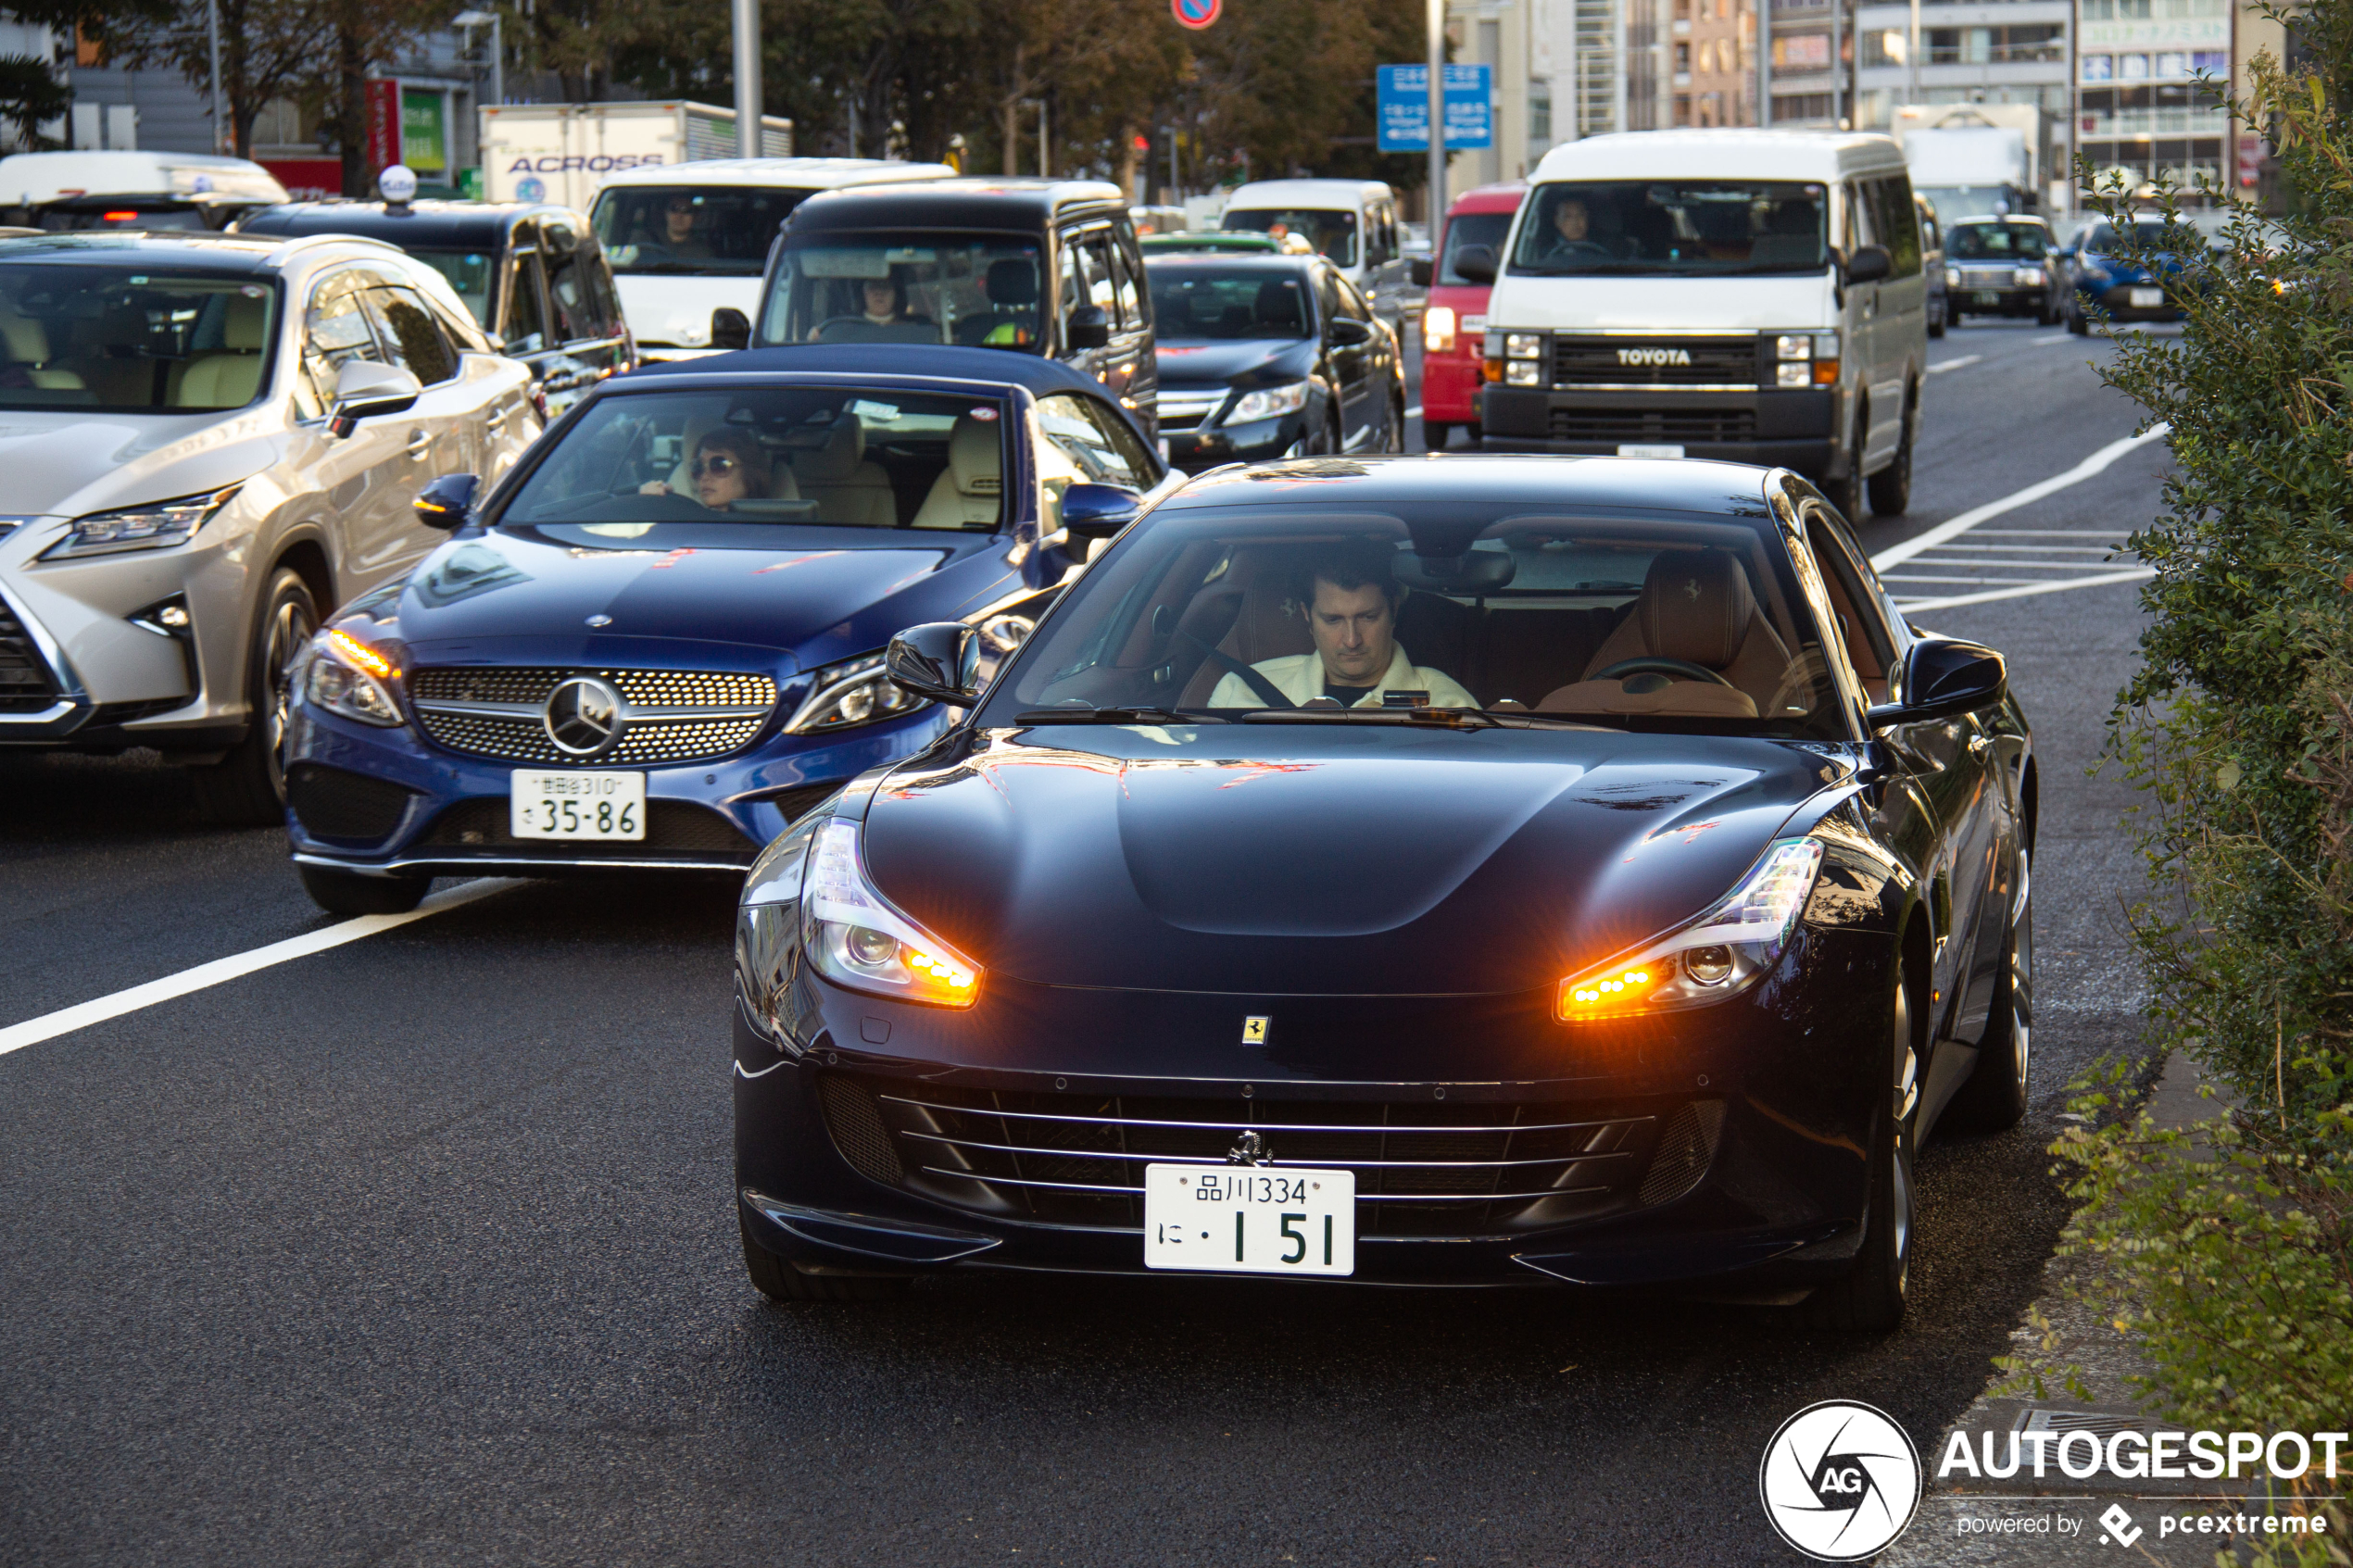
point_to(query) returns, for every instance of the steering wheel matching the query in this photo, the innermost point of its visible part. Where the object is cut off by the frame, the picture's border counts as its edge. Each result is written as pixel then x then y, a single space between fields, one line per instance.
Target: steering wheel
pixel 830 323
pixel 1683 667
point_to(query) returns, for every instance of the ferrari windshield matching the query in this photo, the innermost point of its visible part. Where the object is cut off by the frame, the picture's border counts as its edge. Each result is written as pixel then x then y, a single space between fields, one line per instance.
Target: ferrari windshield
pixel 1273 615
pixel 979 289
pixel 826 456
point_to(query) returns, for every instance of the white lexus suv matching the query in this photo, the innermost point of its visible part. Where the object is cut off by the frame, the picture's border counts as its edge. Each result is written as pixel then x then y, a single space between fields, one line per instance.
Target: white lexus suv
pixel 208 442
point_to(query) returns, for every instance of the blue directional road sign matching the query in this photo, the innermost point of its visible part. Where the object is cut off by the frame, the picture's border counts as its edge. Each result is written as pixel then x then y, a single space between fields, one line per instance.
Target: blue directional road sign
pixel 1403 109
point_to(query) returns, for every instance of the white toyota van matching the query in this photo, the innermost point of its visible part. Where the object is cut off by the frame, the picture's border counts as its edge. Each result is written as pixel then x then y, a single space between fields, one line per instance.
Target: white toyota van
pixel 1750 295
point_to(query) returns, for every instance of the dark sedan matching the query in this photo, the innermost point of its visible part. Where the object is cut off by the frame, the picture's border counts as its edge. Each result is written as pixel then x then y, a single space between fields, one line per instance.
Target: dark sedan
pixel 1449 870
pixel 660 639
pixel 1271 357
pixel 1998 266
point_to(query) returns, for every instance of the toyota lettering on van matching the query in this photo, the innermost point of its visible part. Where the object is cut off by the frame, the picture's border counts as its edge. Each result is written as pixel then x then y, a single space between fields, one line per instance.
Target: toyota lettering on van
pixel 1653 356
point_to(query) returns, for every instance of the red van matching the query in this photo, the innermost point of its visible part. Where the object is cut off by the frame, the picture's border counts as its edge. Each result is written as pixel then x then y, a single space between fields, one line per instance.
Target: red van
pixel 1454 319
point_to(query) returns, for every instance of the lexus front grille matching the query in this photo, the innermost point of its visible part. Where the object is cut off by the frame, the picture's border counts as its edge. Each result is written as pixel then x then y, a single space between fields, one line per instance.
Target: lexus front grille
pixel 1423 1170
pixel 25 684
pixel 671 715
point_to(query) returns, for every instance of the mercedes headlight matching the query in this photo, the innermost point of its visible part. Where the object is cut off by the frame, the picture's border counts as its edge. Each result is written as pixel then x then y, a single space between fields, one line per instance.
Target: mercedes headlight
pixel 857 940
pixel 346 676
pixel 156 527
pixel 1267 402
pixel 1718 955
pixel 854 692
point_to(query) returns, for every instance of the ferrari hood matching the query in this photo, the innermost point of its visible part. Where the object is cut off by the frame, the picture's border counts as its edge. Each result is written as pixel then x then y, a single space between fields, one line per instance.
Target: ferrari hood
pixel 1325 860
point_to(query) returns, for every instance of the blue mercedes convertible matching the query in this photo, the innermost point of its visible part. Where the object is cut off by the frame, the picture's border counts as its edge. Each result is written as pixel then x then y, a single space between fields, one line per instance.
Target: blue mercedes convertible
pixel 659 639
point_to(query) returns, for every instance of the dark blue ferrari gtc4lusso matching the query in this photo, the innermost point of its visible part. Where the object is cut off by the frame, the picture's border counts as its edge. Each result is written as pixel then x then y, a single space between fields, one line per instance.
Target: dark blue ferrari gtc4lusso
pixel 1435 871
pixel 661 638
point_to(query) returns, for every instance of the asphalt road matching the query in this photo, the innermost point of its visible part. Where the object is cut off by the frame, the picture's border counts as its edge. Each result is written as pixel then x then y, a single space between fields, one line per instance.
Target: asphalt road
pixel 417 1250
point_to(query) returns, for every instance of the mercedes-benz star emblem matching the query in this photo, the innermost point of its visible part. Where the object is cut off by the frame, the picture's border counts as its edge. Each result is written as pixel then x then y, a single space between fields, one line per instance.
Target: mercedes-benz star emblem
pixel 584 717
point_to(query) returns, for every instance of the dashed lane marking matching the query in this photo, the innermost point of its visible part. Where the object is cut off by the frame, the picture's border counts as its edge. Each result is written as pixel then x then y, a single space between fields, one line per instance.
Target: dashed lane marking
pixel 2136 574
pixel 2091 467
pixel 82 1015
pixel 2055 337
pixel 1943 364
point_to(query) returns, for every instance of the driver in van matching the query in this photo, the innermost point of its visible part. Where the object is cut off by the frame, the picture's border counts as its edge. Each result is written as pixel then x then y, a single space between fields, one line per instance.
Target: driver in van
pixel 1351 603
pixel 1571 239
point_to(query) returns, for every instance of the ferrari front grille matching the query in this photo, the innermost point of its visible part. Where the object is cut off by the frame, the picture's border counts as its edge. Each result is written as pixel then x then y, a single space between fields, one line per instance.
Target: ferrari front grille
pixel 1425 1170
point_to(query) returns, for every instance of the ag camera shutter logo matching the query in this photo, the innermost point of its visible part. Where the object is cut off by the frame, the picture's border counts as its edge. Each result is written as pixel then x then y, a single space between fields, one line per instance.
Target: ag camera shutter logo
pixel 1840 1480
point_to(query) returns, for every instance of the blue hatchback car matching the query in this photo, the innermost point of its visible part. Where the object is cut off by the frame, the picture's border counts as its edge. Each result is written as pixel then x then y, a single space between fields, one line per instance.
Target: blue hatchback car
pixel 2136 273
pixel 659 639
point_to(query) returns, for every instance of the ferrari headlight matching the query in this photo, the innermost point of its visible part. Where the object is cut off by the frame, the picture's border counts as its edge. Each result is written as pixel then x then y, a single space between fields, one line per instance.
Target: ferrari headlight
pixel 1717 956
pixel 854 692
pixel 1267 402
pixel 768 941
pixel 346 676
pixel 157 527
pixel 1438 329
pixel 856 938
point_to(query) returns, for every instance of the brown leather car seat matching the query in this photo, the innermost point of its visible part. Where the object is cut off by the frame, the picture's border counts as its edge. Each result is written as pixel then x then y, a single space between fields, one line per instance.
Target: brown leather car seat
pixel 1695 606
pixel 1272 625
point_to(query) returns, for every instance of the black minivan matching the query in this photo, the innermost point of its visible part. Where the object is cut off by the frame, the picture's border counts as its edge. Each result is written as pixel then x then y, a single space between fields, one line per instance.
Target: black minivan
pixel 533 274
pixel 1045 267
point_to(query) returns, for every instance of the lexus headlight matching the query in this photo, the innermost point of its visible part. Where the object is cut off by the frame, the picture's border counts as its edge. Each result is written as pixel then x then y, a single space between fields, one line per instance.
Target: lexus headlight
pixel 856 939
pixel 157 527
pixel 1438 329
pixel 1717 956
pixel 346 676
pixel 852 692
pixel 1267 402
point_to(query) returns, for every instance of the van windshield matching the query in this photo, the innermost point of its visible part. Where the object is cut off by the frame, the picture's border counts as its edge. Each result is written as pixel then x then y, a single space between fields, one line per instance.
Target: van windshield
pixel 977 289
pixel 1333 234
pixel 700 231
pixel 1712 227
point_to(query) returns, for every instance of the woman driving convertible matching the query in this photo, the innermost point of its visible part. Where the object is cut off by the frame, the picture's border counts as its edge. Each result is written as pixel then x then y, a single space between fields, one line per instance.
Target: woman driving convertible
pixel 728 465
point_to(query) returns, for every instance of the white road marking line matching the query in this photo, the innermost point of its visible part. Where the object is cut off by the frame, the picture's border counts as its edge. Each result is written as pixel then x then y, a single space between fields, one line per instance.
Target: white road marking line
pixel 2055 337
pixel 1954 364
pixel 2138 574
pixel 82 1015
pixel 2037 533
pixel 2095 464
pixel 1415 411
pixel 2024 565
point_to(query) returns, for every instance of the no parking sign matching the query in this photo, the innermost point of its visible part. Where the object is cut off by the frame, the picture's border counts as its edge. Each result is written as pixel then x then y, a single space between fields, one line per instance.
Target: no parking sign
pixel 1196 13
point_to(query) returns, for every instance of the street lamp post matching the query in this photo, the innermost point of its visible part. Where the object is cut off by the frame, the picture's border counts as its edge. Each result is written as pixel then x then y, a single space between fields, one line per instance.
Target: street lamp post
pixel 212 42
pixel 1435 21
pixel 747 105
pixel 471 19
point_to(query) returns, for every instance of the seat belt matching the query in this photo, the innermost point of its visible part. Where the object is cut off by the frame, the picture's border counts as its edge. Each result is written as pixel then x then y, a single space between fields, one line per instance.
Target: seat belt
pixel 1260 686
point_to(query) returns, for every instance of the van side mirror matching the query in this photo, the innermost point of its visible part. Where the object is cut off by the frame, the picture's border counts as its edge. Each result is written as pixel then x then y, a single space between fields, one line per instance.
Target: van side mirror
pixel 1869 264
pixel 939 659
pixel 447 503
pixel 1088 327
pixel 365 390
pixel 1944 677
pixel 1476 263
pixel 1418 270
pixel 730 328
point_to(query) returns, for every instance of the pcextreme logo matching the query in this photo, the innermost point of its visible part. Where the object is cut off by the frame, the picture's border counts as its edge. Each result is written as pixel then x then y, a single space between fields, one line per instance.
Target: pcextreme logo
pixel 1840 1480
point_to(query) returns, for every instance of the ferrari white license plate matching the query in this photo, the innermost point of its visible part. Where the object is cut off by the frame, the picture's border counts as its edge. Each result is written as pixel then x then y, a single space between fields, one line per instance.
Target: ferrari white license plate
pixel 577 805
pixel 1630 450
pixel 1250 1220
pixel 2147 299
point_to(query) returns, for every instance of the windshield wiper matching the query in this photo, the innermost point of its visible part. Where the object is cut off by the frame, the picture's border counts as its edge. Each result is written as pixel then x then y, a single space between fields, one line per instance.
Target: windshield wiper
pixel 1114 716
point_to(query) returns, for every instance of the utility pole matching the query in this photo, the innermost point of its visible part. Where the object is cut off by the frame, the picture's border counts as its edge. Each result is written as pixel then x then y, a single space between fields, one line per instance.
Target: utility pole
pixel 748 139
pixel 1765 63
pixel 223 140
pixel 1435 41
pixel 1838 64
pixel 497 49
pixel 1912 57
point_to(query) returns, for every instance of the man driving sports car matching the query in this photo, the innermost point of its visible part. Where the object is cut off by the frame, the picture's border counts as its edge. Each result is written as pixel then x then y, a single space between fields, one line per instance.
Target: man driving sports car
pixel 1351 602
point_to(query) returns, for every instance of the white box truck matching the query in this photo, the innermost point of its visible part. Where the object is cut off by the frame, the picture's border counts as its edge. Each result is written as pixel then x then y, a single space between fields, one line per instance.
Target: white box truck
pixel 562 152
pixel 1972 160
